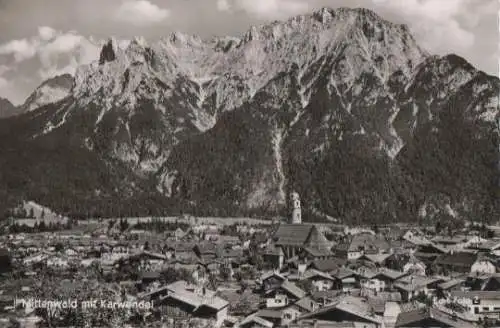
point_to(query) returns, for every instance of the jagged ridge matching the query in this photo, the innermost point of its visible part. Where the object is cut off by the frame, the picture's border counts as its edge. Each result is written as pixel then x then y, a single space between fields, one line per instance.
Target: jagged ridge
pixel 335 104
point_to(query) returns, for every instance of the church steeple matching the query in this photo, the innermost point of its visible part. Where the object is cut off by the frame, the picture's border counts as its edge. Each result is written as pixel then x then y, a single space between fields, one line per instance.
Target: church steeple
pixel 296 212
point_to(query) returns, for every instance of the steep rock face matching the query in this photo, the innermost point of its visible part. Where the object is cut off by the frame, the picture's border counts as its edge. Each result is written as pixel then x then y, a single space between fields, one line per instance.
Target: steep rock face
pixel 340 105
pixel 50 91
pixel 7 109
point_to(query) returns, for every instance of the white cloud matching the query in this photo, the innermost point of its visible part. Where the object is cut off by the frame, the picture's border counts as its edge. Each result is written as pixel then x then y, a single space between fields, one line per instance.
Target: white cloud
pixel 58 52
pixel 21 49
pixel 223 5
pixel 3 83
pixel 436 23
pixel 140 13
pixel 46 33
pixel 266 9
pixel 70 47
pixel 4 69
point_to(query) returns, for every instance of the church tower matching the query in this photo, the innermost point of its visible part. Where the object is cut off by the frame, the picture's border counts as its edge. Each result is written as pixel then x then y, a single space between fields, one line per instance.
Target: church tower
pixel 296 212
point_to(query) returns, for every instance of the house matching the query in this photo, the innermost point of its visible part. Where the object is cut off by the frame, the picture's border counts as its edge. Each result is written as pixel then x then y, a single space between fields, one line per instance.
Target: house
pixel 271 280
pixel 430 317
pixel 274 257
pixel 412 286
pixel 453 284
pixel 428 253
pixel 456 243
pixel 491 246
pixel 379 302
pixel 304 239
pixel 254 321
pixel 149 277
pixel 483 265
pixel 481 303
pixel 416 237
pixel 273 316
pixel 183 298
pixel 376 259
pixel 70 252
pixel 181 251
pixel 37 258
pixel 283 295
pixel 491 283
pixel 320 324
pixel 388 276
pixel 347 278
pixel 364 244
pixel 415 266
pixel 347 310
pixel 148 261
pixel 320 280
pixel 406 262
pixel 179 234
pixel 295 310
pixel 60 262
pixel 206 251
pixel 329 266
pixel 454 262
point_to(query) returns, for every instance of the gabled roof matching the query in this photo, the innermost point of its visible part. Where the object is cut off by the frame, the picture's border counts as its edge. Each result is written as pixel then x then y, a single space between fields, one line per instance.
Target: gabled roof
pixel 292 234
pixel 258 320
pixel 413 282
pixel 327 265
pixel 391 274
pixel 269 314
pixel 293 289
pixel 451 283
pixel 354 305
pixel 464 259
pixel 366 241
pixel 376 258
pixel 270 274
pixel 342 273
pixel 412 318
pixel 317 241
pixel 481 294
pixel 273 250
pixel 311 273
pixel 306 303
pixel 180 290
pixel 321 324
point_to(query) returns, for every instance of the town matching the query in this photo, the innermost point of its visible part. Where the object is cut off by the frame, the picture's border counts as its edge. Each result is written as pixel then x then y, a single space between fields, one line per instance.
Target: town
pixel 189 272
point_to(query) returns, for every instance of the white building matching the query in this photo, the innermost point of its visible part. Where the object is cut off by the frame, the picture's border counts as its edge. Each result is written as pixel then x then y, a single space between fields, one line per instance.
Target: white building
pixel 484 266
pixel 481 303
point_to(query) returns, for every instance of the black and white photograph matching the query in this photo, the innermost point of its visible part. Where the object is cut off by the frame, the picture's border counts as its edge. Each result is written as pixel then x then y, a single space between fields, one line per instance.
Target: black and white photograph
pixel 249 163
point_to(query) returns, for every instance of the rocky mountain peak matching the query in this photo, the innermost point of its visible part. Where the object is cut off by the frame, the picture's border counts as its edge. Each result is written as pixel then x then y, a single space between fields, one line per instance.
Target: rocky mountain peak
pixel 108 52
pixel 7 108
pixel 50 91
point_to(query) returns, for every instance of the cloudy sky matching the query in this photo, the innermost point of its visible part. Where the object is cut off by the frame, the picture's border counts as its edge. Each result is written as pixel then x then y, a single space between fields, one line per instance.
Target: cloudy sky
pixel 43 38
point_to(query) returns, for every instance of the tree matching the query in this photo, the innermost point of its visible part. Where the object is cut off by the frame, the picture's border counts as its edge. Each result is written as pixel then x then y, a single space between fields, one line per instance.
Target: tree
pixel 59 247
pixel 32 213
pixel 439 227
pixel 123 225
pixel 53 289
pixel 5 261
pixel 42 215
pixel 225 273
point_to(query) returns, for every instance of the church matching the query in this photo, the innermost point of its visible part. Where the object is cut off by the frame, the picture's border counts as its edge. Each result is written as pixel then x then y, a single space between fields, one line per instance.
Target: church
pixel 297 239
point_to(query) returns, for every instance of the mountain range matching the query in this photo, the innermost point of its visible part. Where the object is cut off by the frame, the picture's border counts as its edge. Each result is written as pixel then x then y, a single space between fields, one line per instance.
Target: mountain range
pixel 339 105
